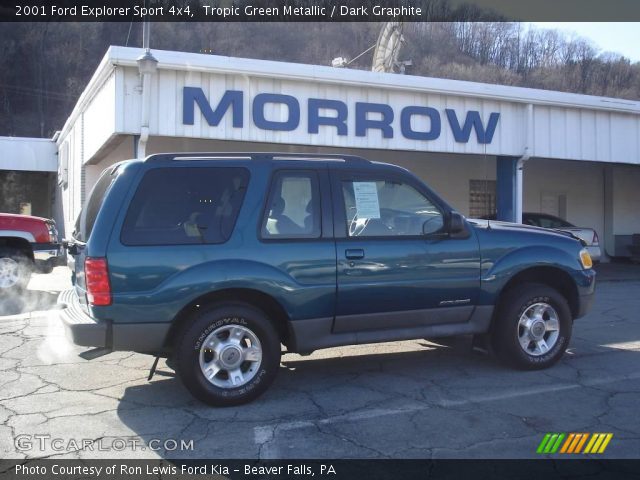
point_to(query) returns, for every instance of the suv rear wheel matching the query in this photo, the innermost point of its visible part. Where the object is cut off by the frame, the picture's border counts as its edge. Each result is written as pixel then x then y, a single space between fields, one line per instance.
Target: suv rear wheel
pixel 532 328
pixel 15 270
pixel 228 355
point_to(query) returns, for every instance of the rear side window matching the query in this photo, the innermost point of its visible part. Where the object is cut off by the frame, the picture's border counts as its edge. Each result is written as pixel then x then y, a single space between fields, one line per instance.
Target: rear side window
pixel 293 207
pixel 182 206
pixel 87 218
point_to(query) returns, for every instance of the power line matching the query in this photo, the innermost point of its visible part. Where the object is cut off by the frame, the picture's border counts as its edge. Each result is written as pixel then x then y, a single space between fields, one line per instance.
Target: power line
pixel 37 92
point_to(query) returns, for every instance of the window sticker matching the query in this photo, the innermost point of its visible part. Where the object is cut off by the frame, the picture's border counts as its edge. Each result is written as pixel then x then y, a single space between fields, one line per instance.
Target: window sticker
pixel 366 195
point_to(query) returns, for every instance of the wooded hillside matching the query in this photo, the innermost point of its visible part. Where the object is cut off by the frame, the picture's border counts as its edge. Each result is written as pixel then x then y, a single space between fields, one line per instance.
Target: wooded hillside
pixel 45 66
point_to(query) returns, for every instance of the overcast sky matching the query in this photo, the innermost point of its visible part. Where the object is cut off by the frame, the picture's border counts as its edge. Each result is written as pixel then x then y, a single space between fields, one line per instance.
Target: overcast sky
pixel 620 37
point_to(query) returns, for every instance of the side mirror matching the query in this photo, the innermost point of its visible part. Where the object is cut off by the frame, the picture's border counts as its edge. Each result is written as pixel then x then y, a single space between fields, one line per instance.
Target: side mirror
pixel 433 225
pixel 456 223
pixel 71 247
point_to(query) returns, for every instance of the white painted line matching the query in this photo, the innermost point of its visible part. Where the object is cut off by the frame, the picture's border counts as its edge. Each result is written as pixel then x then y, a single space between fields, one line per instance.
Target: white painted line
pixel 539 390
pixel 266 433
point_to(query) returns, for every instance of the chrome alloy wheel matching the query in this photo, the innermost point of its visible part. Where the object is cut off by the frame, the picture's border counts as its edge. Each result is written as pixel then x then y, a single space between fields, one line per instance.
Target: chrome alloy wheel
pixel 230 356
pixel 538 329
pixel 9 272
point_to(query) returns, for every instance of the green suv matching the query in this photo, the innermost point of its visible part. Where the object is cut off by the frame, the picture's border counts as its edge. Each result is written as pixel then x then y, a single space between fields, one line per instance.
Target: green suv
pixel 215 260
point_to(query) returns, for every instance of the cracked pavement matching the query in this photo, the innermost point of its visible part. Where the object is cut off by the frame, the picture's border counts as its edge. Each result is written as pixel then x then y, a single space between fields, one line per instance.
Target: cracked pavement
pixel 412 399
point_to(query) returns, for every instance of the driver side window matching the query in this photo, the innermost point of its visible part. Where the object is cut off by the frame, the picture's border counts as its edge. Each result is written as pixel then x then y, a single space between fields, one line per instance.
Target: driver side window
pixel 388 208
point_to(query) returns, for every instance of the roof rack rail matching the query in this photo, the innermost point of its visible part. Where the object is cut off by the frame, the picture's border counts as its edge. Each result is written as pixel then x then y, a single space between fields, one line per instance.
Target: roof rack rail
pixel 256 156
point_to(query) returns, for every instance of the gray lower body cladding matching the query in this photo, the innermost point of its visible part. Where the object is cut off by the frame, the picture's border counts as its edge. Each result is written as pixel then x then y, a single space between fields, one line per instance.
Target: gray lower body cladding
pixel 86 331
pixel 308 335
pixel 318 333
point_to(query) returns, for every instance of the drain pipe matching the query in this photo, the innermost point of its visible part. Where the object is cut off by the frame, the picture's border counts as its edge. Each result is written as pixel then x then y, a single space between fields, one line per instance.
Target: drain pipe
pixel 522 160
pixel 147 66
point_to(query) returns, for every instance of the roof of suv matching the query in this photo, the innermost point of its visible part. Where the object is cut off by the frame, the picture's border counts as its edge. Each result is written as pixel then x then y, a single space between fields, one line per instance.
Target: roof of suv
pixel 347 160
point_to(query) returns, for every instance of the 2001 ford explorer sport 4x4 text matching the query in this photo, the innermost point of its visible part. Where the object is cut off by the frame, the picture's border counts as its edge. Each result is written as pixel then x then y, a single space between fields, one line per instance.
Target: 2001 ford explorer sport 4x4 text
pixel 215 260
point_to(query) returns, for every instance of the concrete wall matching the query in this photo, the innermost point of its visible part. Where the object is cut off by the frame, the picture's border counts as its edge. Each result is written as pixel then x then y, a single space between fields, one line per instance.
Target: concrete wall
pixel 622 207
pixel 123 150
pixel 71 191
pixel 100 117
pixel 626 200
pixel 582 184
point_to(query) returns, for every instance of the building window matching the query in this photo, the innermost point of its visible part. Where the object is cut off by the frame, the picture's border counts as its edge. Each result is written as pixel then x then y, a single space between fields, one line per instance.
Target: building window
pixel 482 198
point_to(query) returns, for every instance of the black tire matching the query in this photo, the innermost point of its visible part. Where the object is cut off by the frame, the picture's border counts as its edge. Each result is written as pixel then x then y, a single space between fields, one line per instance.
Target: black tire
pixel 505 332
pixel 14 258
pixel 219 317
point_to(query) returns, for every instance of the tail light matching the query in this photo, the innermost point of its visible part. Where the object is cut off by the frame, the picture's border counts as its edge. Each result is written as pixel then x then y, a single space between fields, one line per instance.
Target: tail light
pixel 53 232
pixel 97 280
pixel 595 240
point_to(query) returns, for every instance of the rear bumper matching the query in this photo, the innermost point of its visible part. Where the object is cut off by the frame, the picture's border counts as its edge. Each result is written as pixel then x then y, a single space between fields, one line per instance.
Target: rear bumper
pixel 79 327
pixel 44 252
pixel 86 331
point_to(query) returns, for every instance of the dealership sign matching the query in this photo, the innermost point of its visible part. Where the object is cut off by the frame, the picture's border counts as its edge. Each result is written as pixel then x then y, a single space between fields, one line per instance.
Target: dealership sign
pixel 334 114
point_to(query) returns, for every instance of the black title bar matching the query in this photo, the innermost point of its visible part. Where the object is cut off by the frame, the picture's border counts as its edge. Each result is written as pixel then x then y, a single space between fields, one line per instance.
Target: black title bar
pixel 48 469
pixel 317 10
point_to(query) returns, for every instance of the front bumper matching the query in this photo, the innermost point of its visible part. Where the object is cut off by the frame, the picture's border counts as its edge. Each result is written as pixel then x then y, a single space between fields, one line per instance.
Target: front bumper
pixel 594 252
pixel 586 292
pixel 86 331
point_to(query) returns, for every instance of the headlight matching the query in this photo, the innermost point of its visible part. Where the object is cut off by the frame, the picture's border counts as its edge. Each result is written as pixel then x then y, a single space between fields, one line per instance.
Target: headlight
pixel 585 259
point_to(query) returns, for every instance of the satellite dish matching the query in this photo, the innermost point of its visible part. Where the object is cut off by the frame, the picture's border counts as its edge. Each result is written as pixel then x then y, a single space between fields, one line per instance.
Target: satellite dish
pixel 385 56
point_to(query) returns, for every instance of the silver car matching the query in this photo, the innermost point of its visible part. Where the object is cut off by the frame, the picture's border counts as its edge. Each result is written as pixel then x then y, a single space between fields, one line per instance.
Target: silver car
pixel 545 220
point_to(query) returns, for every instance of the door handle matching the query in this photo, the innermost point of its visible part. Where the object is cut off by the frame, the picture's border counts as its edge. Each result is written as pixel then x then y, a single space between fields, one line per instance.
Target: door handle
pixel 354 253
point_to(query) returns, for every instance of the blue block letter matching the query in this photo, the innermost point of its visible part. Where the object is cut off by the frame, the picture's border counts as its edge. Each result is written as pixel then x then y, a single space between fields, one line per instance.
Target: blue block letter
pixel 258 112
pixel 363 123
pixel 405 123
pixel 473 120
pixel 193 95
pixel 315 120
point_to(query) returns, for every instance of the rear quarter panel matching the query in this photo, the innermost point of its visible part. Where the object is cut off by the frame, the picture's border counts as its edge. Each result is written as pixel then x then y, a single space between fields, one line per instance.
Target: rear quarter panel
pixel 97 244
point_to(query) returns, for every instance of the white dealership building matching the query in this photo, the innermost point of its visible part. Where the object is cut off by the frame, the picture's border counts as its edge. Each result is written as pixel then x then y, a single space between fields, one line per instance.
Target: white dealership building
pixel 484 148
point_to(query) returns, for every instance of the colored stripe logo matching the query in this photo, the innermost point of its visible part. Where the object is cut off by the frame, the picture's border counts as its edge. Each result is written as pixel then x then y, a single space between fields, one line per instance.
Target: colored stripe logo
pixel 574 443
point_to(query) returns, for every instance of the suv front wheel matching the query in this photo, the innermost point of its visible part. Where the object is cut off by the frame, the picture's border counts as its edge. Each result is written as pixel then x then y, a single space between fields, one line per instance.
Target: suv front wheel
pixel 228 355
pixel 532 328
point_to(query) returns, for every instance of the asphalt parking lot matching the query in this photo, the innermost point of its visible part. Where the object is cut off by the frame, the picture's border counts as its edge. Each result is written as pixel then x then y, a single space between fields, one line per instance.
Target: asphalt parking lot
pixel 411 399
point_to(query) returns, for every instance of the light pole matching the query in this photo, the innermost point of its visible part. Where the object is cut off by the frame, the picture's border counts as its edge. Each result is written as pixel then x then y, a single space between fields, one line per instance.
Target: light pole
pixel 147 66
